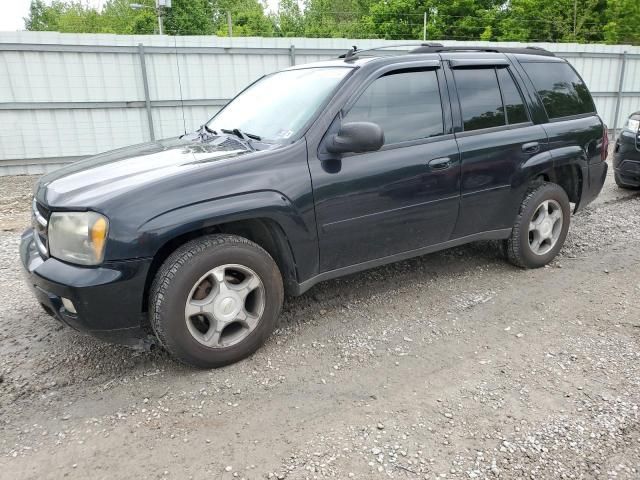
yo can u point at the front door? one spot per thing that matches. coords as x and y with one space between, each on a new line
404 196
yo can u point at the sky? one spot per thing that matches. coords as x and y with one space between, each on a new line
13 11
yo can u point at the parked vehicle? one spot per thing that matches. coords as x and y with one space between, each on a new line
626 155
311 173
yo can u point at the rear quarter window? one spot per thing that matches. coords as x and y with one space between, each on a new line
562 91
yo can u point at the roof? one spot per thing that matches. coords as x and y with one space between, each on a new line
355 57
436 49
338 62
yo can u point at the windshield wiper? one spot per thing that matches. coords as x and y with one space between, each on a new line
239 133
204 132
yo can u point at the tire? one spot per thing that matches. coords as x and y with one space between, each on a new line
218 269
521 245
623 185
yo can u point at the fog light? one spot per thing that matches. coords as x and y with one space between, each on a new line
68 305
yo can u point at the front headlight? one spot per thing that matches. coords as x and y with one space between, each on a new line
78 237
633 125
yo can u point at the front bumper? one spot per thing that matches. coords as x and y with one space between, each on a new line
627 167
626 158
629 172
107 299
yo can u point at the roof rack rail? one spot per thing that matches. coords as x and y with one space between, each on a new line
465 48
354 52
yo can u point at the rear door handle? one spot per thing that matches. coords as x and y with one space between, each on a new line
440 163
531 147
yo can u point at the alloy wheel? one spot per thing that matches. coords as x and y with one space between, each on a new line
545 227
225 305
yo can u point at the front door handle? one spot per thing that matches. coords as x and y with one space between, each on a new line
531 147
440 163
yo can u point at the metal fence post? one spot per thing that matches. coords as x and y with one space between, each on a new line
292 55
145 84
619 98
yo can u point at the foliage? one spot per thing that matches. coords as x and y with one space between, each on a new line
612 21
289 21
623 22
559 20
247 18
189 17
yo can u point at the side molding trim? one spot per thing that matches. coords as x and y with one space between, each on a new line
358 267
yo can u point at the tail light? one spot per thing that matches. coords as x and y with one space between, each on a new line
605 143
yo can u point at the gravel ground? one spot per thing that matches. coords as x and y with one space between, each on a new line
453 365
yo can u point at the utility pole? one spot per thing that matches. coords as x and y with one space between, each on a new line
159 9
424 27
229 24
160 6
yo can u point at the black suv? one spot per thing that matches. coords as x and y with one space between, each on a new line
626 155
311 173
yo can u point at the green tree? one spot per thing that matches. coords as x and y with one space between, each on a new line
119 17
247 16
43 17
623 22
336 18
613 21
455 19
289 20
75 17
189 17
552 21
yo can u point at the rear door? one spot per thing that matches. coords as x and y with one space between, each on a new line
402 197
496 137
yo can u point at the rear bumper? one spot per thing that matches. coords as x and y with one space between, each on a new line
107 299
595 175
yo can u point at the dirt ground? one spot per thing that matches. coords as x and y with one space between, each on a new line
453 365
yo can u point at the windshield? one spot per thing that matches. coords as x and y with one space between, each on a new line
278 106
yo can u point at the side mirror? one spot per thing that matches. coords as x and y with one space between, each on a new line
356 137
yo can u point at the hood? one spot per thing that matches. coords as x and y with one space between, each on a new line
85 182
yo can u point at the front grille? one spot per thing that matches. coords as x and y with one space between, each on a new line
44 211
40 221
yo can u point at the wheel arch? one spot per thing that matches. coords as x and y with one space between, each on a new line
567 171
263 231
266 218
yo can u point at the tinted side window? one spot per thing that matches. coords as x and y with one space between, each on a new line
405 104
480 98
560 89
516 111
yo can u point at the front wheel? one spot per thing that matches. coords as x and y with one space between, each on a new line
216 300
540 228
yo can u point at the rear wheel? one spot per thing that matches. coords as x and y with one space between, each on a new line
216 300
540 228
